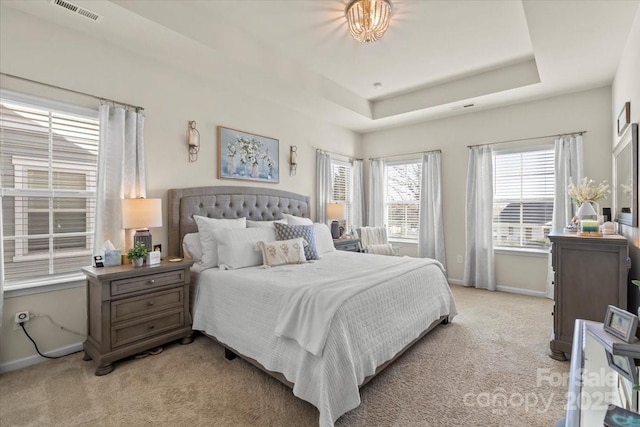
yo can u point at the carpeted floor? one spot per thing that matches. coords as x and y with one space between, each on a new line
489 367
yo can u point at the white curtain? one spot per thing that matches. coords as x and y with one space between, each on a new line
568 168
1 253
121 171
479 270
323 185
358 194
431 231
376 193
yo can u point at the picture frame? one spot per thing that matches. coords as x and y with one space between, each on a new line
624 118
620 323
624 365
247 156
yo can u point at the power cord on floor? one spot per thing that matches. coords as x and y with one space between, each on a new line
36 345
57 324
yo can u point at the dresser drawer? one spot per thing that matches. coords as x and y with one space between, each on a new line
140 329
146 304
125 286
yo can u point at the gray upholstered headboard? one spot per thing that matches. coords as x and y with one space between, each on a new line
254 203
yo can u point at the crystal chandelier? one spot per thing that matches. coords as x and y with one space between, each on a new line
368 19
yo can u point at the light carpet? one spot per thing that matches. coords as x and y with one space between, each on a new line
489 367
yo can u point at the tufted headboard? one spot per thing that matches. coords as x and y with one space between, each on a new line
254 203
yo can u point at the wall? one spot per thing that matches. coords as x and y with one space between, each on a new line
589 110
626 87
48 53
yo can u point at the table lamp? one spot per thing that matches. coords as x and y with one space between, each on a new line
335 212
142 214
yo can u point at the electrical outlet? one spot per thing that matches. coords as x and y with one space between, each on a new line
21 317
459 259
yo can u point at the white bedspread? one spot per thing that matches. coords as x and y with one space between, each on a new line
307 309
241 307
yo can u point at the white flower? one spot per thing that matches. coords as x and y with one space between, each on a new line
587 190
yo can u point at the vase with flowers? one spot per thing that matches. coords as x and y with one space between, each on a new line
586 195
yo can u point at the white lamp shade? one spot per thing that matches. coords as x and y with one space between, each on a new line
335 211
141 213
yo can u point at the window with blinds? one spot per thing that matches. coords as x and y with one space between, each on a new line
523 191
48 162
402 199
342 178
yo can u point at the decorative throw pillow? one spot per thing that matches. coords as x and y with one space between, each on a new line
324 241
237 247
206 228
282 252
297 220
288 232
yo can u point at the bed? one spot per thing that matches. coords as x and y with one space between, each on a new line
323 328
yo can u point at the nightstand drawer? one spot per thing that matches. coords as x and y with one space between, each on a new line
146 304
128 332
125 286
351 245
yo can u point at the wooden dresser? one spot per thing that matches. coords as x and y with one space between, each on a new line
590 274
131 310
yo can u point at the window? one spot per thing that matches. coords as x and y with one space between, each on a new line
523 192
342 179
402 199
48 162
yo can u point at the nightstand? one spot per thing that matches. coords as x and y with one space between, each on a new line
350 245
133 309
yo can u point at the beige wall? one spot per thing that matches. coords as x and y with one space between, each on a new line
626 87
43 52
589 110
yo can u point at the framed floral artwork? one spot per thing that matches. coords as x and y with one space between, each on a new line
246 156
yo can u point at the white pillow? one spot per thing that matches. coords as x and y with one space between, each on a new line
191 247
258 224
282 252
324 241
296 220
206 229
237 247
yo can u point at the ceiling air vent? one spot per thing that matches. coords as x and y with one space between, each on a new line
77 9
462 107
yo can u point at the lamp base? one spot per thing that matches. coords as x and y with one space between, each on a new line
143 236
335 229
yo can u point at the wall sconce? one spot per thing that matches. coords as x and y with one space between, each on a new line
293 160
140 214
193 140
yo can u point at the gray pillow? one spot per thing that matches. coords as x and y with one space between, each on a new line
288 232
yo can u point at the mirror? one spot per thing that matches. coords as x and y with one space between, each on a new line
625 178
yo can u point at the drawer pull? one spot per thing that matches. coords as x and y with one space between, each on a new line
150 303
151 327
152 281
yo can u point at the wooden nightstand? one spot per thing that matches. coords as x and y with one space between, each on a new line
131 310
350 245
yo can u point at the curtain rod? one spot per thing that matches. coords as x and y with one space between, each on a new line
339 154
73 91
405 154
528 139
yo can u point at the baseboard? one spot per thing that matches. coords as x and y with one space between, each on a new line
35 359
508 289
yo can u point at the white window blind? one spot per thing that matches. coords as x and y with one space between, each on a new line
402 199
48 162
524 184
342 176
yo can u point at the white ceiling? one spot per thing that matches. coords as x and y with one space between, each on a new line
436 56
